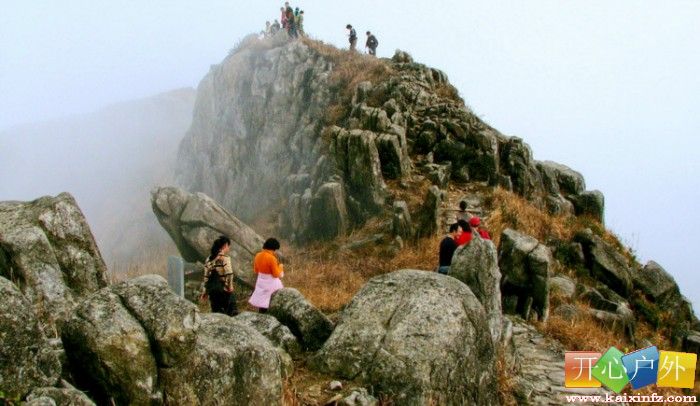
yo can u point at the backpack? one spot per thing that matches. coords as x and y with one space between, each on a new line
373 43
215 284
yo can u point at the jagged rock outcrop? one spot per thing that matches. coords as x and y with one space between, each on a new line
606 263
48 251
194 221
417 337
306 322
273 330
139 343
262 141
63 396
26 359
476 264
525 264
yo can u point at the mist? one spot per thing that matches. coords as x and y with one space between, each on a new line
609 89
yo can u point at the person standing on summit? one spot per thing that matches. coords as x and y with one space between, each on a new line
352 37
269 270
371 44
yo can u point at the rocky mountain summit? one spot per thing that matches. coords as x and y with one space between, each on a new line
366 158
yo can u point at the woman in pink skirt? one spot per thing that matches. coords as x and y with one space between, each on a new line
269 271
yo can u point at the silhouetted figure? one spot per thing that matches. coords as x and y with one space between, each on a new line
352 37
372 44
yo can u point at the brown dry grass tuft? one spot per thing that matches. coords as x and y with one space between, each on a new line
330 278
505 380
585 334
349 70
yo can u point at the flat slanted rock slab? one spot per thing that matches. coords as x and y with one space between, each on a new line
416 337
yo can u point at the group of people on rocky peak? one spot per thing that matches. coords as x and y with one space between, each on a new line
292 22
218 281
371 44
460 233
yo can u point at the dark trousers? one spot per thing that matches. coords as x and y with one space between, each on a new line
223 302
373 51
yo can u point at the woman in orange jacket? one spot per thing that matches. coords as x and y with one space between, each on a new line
269 271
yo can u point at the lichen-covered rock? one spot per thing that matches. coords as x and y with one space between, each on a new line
401 224
590 203
26 360
562 286
359 397
417 337
47 249
563 179
605 262
306 322
61 396
476 264
655 282
357 157
109 352
330 212
429 221
231 363
525 264
273 330
194 221
170 321
394 162
517 162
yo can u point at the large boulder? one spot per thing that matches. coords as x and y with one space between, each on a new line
170 321
330 217
231 363
605 262
590 203
418 338
656 283
526 265
109 352
429 219
194 221
26 360
560 178
476 264
306 322
517 162
47 249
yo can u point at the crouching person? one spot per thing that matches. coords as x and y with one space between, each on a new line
218 279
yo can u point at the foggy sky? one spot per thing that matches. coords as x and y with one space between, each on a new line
610 89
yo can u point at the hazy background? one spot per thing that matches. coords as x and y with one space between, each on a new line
611 89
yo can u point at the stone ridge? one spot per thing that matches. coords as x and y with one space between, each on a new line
259 143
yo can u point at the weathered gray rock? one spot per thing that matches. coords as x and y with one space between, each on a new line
566 180
562 286
194 221
394 162
26 360
401 224
598 301
330 217
525 264
47 249
41 401
656 283
359 397
568 312
605 262
170 321
591 203
61 396
231 363
357 158
306 322
691 342
476 264
429 221
273 330
402 57
110 352
517 162
416 337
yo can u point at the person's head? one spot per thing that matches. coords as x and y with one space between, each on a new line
267 23
455 230
349 27
296 9
220 246
463 205
475 222
464 226
368 33
281 8
276 22
271 244
301 12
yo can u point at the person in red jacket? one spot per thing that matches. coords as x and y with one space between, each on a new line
466 235
475 223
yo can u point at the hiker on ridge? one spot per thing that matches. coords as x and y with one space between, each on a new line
274 29
283 18
466 235
352 37
475 223
300 23
269 271
218 279
462 213
371 43
448 245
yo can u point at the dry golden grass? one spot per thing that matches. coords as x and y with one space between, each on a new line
585 334
329 279
506 377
